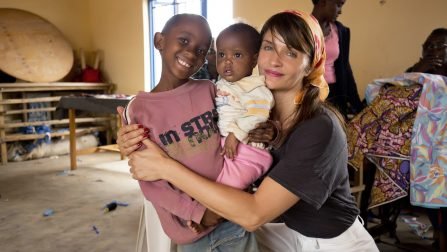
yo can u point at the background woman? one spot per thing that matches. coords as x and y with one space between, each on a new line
338 72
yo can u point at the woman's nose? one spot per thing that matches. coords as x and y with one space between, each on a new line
275 59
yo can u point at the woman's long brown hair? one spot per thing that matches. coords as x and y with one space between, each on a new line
297 35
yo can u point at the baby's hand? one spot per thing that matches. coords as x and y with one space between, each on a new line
222 93
266 132
230 146
196 228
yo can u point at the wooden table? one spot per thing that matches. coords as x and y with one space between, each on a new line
90 104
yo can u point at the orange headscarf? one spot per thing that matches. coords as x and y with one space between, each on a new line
316 76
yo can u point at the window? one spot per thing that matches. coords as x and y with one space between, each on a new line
219 14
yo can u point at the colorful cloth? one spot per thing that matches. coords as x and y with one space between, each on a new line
429 146
382 133
406 79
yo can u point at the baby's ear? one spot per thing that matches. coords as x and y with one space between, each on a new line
254 60
158 41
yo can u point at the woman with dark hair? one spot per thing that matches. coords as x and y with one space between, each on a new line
338 73
307 187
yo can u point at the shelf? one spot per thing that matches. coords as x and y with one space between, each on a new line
54 86
24 137
30 100
21 111
14 111
54 122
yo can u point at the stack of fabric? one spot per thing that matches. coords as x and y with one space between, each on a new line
397 132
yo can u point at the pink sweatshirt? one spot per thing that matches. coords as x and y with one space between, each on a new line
183 122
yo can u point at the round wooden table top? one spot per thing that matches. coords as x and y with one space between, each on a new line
31 48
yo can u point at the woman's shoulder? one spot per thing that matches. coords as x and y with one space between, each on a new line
322 128
317 129
323 120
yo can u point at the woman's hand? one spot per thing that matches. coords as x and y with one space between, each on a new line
149 164
265 132
129 137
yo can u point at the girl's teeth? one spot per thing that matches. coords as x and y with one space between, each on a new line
183 63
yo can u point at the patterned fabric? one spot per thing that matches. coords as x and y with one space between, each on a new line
382 133
429 146
406 79
391 180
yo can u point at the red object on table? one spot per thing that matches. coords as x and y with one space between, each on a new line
91 75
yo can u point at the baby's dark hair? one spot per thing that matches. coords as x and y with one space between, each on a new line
249 32
439 32
315 2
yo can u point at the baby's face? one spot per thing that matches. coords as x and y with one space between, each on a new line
235 60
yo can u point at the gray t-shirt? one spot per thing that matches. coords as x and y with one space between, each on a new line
312 164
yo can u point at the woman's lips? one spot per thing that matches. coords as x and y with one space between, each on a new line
273 73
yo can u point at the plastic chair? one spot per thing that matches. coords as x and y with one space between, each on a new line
150 226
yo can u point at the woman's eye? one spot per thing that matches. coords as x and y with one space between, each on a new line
267 48
291 54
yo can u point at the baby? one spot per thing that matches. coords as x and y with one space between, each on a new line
242 100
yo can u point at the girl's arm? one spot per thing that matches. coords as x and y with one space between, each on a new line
245 209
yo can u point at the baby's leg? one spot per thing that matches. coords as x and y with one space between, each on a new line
249 164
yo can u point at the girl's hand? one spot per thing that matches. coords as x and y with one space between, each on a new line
210 218
196 228
151 163
129 137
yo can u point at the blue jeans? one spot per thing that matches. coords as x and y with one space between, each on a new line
227 237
